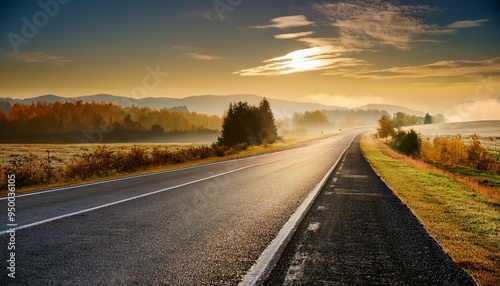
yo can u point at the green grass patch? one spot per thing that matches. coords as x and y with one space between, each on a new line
494 153
484 178
465 224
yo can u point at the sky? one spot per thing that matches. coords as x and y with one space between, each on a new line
434 56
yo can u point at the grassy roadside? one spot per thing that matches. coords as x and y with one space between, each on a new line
251 151
465 223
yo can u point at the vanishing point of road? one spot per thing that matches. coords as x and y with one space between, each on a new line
203 225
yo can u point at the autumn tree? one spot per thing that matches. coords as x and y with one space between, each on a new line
310 119
402 119
386 128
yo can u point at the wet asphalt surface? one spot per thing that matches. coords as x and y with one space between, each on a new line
208 226
359 233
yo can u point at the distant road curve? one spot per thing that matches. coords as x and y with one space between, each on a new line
201 225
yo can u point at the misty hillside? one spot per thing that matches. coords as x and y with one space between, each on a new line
206 104
391 109
212 104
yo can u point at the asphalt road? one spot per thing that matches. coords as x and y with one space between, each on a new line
359 233
202 225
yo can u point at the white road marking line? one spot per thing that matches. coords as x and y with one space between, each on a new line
328 193
126 200
143 195
314 226
335 180
321 208
137 176
296 270
262 267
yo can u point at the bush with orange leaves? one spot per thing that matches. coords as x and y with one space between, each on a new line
454 152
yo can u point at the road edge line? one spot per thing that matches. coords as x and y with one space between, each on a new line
267 260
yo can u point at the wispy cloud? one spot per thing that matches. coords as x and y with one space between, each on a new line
293 35
191 52
455 68
365 25
38 57
468 24
368 24
181 47
202 57
286 22
311 59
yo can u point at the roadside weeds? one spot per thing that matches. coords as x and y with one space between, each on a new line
249 152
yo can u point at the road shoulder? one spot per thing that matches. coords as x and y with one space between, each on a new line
359 232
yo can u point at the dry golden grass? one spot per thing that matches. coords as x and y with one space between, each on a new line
62 154
464 223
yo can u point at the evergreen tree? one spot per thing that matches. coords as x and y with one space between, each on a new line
248 124
428 119
269 132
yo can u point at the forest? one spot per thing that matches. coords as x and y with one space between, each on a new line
57 118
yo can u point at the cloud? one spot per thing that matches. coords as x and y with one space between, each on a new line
293 35
181 47
367 24
38 57
454 68
343 100
286 22
311 59
467 24
202 57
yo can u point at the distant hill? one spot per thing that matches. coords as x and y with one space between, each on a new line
212 104
206 104
392 109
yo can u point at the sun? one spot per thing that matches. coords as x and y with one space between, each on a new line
304 60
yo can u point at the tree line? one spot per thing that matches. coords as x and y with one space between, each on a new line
67 117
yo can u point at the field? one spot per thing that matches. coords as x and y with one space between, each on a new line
43 166
61 154
489 131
